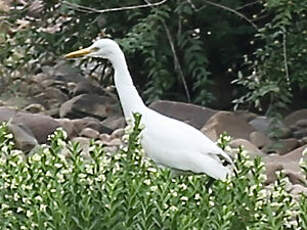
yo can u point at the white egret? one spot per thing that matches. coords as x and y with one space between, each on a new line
169 142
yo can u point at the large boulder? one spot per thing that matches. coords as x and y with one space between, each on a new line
91 105
293 117
229 122
289 163
194 115
87 87
40 125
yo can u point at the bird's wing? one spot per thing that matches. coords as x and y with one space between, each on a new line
175 143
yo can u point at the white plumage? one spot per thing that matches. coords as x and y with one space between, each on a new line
169 142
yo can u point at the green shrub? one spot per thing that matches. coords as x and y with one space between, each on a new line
278 66
127 191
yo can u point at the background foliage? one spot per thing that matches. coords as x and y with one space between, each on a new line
183 50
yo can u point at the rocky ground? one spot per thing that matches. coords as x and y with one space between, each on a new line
61 97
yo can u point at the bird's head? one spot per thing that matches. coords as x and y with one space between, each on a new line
103 48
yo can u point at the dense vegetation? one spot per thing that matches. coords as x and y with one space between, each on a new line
57 188
184 50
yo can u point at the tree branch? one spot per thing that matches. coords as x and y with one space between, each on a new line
247 5
284 46
176 60
230 10
93 10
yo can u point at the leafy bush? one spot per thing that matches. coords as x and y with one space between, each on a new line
278 66
127 191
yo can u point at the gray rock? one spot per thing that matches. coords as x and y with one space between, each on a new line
298 189
114 122
34 108
194 115
84 143
300 133
271 168
252 150
40 125
87 87
105 138
88 105
228 122
301 123
259 139
57 94
90 122
261 124
23 136
293 117
287 145
90 133
69 126
118 133
115 142
289 163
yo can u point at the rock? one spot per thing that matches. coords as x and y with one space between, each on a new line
298 189
23 137
301 123
69 126
115 142
293 117
88 105
289 163
105 138
6 113
283 132
84 145
261 124
38 78
246 115
63 71
57 94
296 154
295 176
40 125
194 115
287 145
114 122
89 122
53 112
118 133
35 9
86 87
252 150
304 141
90 133
259 139
300 133
47 83
34 108
228 122
270 169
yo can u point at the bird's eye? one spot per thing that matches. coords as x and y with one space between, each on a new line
95 49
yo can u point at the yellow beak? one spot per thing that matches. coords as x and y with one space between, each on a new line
78 53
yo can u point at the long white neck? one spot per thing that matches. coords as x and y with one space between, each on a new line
130 100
